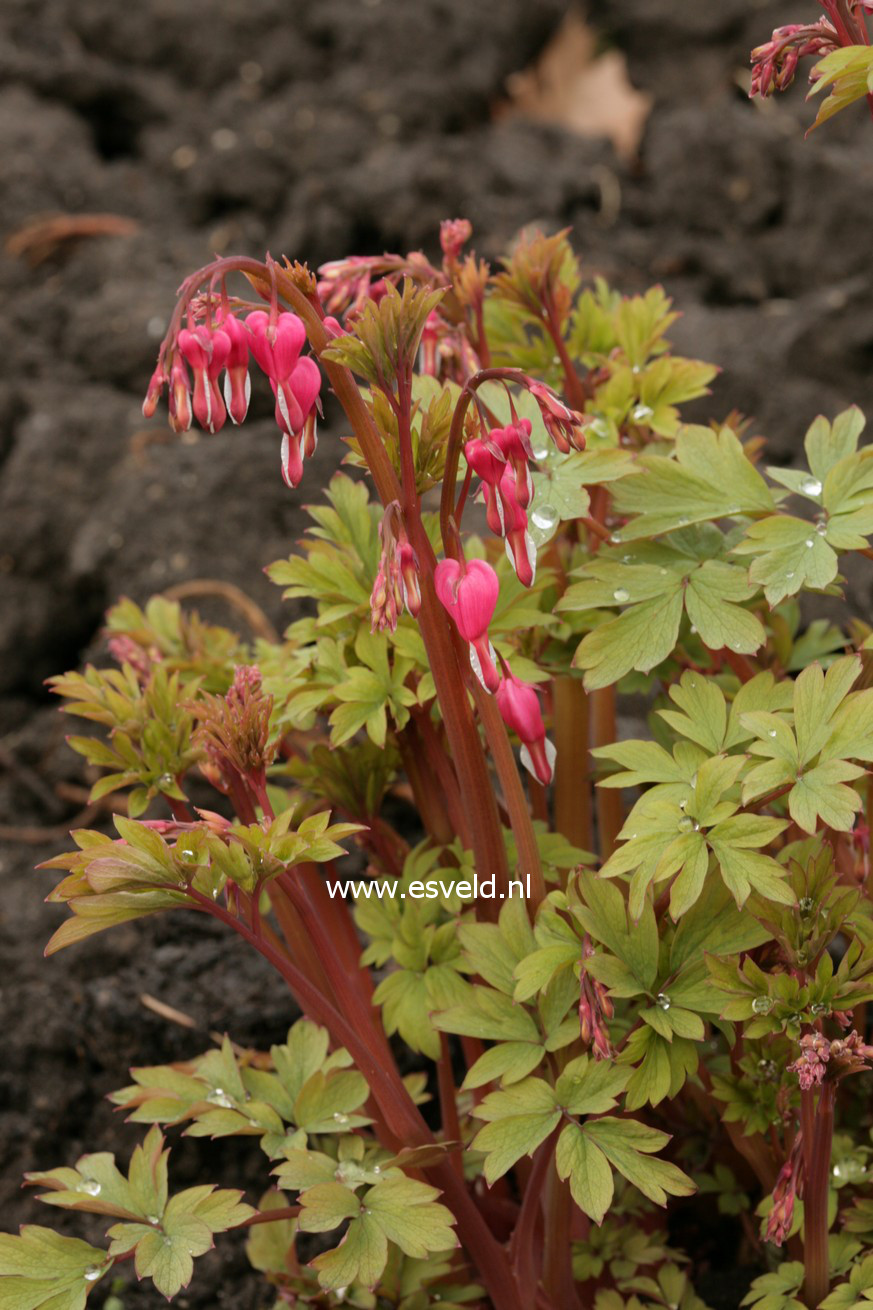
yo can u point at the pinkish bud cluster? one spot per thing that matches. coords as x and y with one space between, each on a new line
397 583
811 1064
454 235
565 426
234 732
445 350
774 64
595 1008
788 1187
819 1057
223 344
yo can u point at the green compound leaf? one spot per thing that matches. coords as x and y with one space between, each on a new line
581 1160
832 726
40 1270
519 1119
398 1210
710 478
629 1147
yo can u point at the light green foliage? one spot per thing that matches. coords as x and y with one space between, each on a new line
384 338
40 1270
111 882
847 76
779 1290
150 741
302 1090
165 1232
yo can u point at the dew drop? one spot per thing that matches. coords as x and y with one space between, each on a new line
685 824
166 780
91 1273
621 595
662 1001
377 1169
762 1005
682 521
641 413
789 576
614 538
153 1218
89 1186
809 543
821 528
220 1097
771 732
818 1009
811 487
544 517
838 1171
541 452
636 368
341 1118
806 905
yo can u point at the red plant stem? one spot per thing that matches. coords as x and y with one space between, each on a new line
523 1247
818 1131
397 1106
451 1124
573 387
179 810
529 864
334 912
439 761
270 1216
427 788
453 445
603 733
742 667
572 786
558 1280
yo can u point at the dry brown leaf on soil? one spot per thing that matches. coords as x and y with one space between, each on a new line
586 92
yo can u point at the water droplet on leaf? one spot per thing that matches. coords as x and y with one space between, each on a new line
662 1001
762 1005
821 528
341 1118
806 905
621 595
89 1186
811 487
641 413
809 543
818 1009
685 824
771 732
544 517
91 1273
218 1096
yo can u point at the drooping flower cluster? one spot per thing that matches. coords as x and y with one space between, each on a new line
397 583
595 1009
501 459
774 63
223 342
789 1185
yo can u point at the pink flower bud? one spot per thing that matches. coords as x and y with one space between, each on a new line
469 592
156 386
519 706
454 235
564 425
520 549
409 575
206 350
514 442
181 414
292 459
488 461
237 383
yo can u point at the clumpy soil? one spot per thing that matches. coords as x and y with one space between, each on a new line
317 130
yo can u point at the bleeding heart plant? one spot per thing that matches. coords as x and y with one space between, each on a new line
537 1010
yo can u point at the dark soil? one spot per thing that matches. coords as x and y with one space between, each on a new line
320 129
